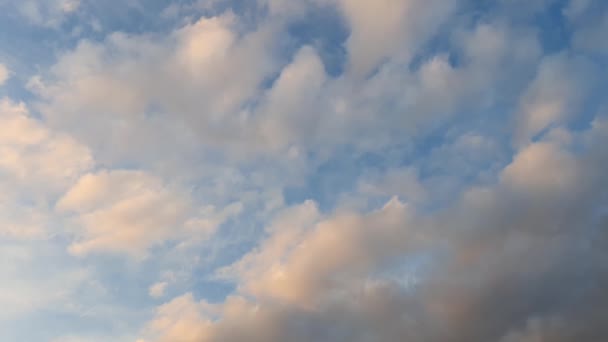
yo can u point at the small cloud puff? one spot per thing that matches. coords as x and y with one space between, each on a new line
4 74
157 290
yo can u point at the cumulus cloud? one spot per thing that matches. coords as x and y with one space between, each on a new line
157 290
298 266
390 28
505 265
319 170
198 77
195 83
31 153
36 164
131 211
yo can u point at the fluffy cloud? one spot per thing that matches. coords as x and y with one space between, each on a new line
35 156
157 290
36 164
131 211
319 170
198 78
195 84
494 260
404 25
298 263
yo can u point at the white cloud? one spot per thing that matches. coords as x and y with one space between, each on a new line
35 156
320 277
541 168
181 319
306 261
132 211
389 29
157 290
287 110
36 164
241 106
198 77
195 84
303 266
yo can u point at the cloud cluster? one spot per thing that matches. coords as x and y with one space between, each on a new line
36 164
31 153
218 83
317 170
130 211
115 210
519 260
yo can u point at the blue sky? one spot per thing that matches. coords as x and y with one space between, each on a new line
310 170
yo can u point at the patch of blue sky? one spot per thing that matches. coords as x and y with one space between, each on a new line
323 28
334 176
553 27
233 239
132 17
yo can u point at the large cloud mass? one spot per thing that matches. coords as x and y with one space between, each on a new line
521 260
316 170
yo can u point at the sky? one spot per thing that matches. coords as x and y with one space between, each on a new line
303 170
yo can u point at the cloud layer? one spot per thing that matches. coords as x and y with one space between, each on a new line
320 170
504 264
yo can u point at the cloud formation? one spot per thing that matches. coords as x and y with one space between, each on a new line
318 170
502 264
130 211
